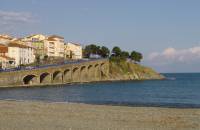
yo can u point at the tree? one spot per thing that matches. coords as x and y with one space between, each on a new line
104 52
96 50
136 56
91 49
133 55
125 54
87 51
116 51
140 57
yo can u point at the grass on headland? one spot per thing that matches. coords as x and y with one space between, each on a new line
122 68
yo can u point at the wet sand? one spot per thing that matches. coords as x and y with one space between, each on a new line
24 115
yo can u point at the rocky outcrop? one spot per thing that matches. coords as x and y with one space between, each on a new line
126 70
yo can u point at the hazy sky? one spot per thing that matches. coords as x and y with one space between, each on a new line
167 32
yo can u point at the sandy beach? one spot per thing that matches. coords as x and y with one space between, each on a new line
24 115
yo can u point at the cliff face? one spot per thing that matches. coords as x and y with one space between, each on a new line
124 70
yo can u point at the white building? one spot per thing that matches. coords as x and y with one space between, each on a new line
55 46
21 53
73 51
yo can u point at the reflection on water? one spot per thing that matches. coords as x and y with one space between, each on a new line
183 91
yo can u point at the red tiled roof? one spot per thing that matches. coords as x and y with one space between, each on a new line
51 39
15 44
3 48
4 37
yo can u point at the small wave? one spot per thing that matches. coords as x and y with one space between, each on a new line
171 78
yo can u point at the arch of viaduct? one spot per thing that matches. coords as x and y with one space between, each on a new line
86 71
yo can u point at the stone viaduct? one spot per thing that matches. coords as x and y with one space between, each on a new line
83 71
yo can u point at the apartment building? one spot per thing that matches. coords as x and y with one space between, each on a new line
21 53
55 46
37 41
73 51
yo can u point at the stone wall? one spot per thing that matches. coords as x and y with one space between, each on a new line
85 71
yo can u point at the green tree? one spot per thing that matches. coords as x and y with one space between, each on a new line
133 55
125 54
91 49
136 56
104 52
116 51
87 51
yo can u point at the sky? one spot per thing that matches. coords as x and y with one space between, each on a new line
166 32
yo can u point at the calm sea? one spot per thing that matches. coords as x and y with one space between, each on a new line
178 90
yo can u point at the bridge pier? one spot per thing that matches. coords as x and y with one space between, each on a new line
67 76
76 75
45 78
97 72
83 74
90 71
57 77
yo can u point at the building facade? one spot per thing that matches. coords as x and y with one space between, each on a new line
18 51
73 51
37 41
21 53
55 46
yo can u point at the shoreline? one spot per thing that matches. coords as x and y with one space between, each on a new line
105 104
72 83
22 115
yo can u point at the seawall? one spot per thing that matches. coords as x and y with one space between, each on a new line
77 72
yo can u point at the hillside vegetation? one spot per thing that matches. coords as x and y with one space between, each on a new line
120 67
127 70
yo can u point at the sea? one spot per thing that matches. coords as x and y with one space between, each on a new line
178 90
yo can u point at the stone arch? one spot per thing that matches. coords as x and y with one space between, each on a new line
102 64
45 78
67 75
96 65
83 73
96 72
89 67
30 79
103 70
90 72
57 77
76 74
